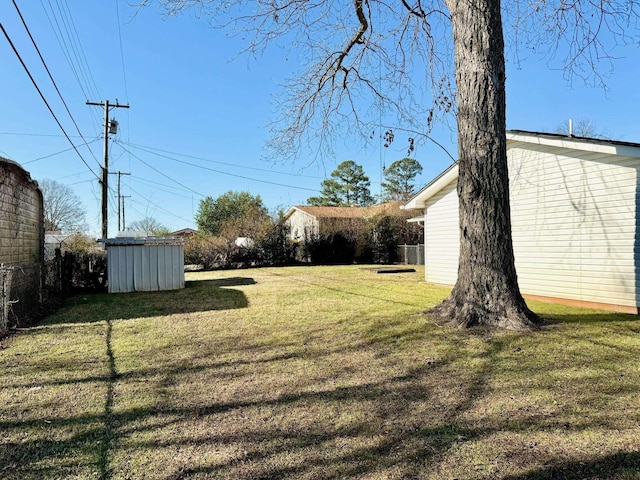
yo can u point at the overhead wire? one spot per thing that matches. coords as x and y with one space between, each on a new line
76 44
124 73
56 153
76 66
230 174
143 180
35 45
26 69
161 173
158 207
154 150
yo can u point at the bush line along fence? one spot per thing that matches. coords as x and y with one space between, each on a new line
63 275
22 301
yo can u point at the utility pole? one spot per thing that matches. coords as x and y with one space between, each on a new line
124 226
119 173
109 127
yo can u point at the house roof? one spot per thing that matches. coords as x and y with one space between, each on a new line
185 232
611 147
390 208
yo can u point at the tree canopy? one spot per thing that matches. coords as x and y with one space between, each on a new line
347 186
149 226
399 179
237 214
399 58
63 209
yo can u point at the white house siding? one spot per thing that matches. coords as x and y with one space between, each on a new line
302 225
573 219
575 224
442 237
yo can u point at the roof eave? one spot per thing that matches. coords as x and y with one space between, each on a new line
419 200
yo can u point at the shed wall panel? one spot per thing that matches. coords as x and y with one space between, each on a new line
145 267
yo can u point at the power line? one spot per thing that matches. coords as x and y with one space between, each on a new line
159 208
26 69
19 134
159 172
76 44
76 67
124 74
57 153
230 174
143 180
52 80
153 151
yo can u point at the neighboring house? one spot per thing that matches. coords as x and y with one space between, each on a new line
184 233
52 241
574 215
307 222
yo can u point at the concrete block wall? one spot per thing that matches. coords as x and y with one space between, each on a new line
21 240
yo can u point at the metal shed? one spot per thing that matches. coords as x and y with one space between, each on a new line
144 264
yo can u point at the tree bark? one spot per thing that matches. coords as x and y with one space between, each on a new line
486 291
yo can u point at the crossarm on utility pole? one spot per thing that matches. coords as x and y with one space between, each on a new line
105 169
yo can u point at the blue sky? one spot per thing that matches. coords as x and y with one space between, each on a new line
198 119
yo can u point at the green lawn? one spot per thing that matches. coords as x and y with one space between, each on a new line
315 372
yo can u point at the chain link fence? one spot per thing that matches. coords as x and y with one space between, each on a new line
20 294
411 254
29 292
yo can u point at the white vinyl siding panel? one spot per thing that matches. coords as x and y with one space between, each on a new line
574 216
573 222
442 236
302 226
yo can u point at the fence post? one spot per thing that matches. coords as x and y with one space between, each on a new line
3 301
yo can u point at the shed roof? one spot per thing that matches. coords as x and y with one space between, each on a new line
122 241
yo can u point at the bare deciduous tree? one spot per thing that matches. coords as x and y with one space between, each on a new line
63 209
148 226
582 127
365 59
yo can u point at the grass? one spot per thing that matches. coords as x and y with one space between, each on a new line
315 373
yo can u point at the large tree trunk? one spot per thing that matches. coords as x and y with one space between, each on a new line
486 292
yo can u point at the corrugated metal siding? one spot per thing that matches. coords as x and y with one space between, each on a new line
574 223
138 268
442 237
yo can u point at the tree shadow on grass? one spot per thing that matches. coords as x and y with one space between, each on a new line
591 317
621 465
413 419
391 441
197 296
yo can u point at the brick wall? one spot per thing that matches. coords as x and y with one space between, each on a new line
21 244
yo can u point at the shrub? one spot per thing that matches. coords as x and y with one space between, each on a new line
206 250
329 249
